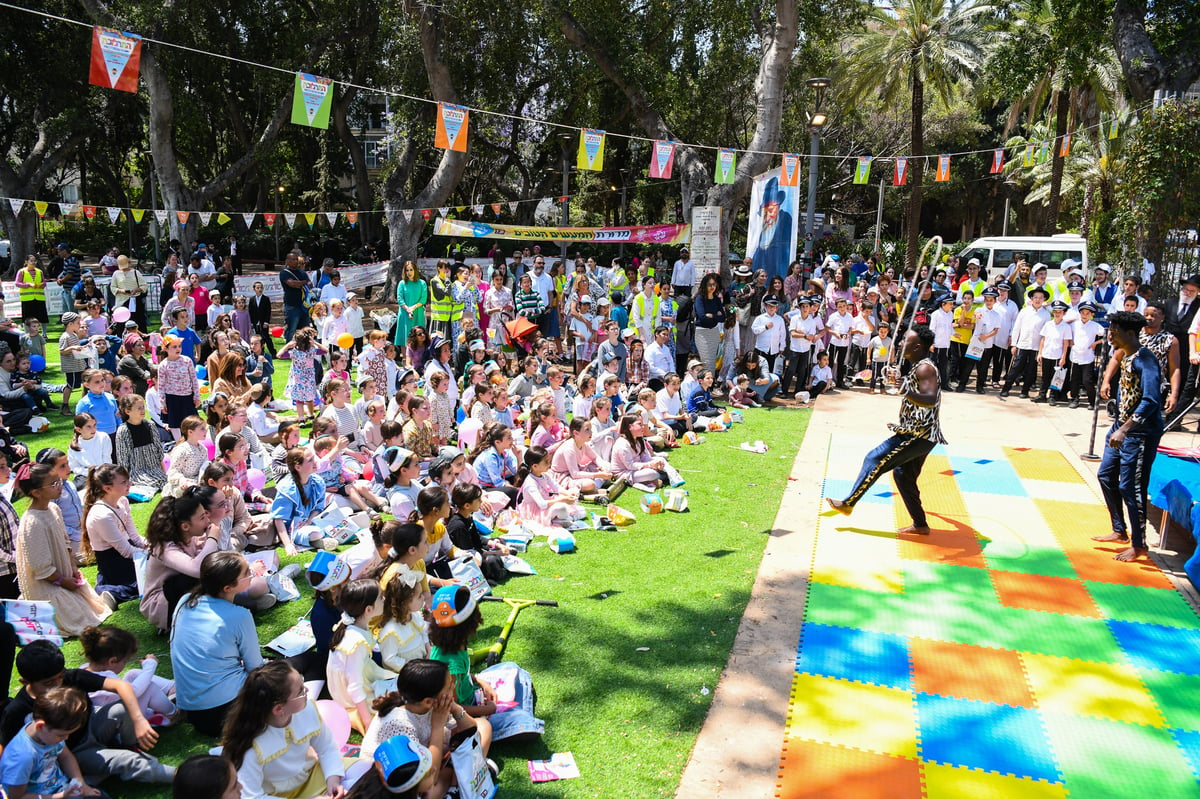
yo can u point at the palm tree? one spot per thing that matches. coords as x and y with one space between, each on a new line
914 44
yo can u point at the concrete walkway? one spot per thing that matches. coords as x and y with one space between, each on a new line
738 750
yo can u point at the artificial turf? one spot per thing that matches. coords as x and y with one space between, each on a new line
626 664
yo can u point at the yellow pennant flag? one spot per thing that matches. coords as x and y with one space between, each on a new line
222 219
591 150
311 219
138 213
41 207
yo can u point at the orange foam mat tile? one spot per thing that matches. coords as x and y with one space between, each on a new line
957 546
1042 592
970 672
811 770
1074 524
1042 464
952 782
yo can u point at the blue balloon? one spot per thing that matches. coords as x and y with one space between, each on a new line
37 363
202 372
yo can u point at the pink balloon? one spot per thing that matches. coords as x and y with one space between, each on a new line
257 479
121 314
212 449
336 719
166 463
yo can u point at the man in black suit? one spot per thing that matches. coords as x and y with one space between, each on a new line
1181 313
260 317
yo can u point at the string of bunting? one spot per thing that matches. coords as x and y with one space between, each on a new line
115 64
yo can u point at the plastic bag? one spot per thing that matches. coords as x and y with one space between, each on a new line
470 769
619 516
1060 378
32 621
675 500
467 572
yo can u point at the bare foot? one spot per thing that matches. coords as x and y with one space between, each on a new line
1111 537
839 506
1131 554
913 529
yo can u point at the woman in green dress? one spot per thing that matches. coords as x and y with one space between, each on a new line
412 293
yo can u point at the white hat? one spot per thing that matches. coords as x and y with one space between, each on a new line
585 298
974 261
604 301
1104 267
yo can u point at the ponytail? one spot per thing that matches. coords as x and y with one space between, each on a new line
80 420
354 600
533 456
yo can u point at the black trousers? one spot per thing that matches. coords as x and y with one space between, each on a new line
1024 371
1048 367
795 371
1083 376
981 368
837 357
770 360
1001 359
942 358
8 636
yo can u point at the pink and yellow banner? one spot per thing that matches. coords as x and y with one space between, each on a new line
635 234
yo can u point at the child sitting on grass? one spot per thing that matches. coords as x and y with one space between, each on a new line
108 651
37 762
353 678
337 481
404 635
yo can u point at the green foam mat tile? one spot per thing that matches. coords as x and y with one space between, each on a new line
965 582
1039 559
1113 760
1176 696
1146 605
1054 634
842 606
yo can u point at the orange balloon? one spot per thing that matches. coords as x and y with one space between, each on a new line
345 341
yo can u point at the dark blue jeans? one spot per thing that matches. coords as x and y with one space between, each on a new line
1124 477
904 457
295 317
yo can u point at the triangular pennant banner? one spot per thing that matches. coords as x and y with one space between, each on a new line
426 214
138 213
662 159
862 170
726 165
352 218
115 59
17 205
182 216
114 214
291 219
1030 155
311 219
452 125
900 175
943 169
1114 129
997 161
66 209
331 217
443 211
789 173
311 101
1043 152
269 219
41 207
161 216
496 208
249 220
477 210
222 218
89 211
1064 148
512 208
460 208
591 150
205 217
407 214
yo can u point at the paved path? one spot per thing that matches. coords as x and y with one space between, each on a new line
737 753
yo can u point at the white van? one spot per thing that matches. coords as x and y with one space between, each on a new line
995 253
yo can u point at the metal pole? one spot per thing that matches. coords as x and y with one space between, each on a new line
1091 454
1004 228
566 206
621 248
275 191
154 212
814 147
878 217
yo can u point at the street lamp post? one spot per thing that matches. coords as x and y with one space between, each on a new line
278 191
154 209
816 121
622 222
566 188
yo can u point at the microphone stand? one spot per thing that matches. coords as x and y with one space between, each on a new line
1091 455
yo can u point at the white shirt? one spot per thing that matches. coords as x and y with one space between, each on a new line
821 374
684 274
809 327
332 292
1054 338
354 317
543 284
1083 335
645 315
986 320
839 325
1008 317
1118 304
770 333
941 322
207 272
659 360
279 761
1027 331
860 332
668 405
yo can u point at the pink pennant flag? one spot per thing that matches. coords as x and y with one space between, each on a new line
426 214
662 159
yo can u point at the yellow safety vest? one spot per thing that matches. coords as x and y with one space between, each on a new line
440 309
29 294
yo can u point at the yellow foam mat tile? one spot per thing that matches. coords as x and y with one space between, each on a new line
1064 492
1042 464
951 782
869 717
1014 521
858 561
1085 688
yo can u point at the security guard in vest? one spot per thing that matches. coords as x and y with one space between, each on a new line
441 302
32 285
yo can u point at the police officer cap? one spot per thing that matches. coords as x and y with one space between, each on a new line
1059 305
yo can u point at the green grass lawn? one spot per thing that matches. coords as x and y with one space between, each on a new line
626 664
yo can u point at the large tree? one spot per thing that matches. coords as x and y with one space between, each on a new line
1158 42
914 45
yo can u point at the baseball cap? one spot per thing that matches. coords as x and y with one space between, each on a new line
327 570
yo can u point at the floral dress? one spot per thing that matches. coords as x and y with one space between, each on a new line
302 378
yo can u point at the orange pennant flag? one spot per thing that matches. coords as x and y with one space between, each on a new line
182 216
789 173
943 169
453 122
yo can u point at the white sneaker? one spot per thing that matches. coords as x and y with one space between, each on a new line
329 544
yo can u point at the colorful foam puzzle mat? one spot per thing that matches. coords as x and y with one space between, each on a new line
1006 654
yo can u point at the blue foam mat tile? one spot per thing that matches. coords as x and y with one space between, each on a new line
1000 738
1153 646
1188 742
875 658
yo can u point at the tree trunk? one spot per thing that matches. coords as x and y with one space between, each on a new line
364 192
1144 67
1062 109
917 170
696 174
22 235
405 235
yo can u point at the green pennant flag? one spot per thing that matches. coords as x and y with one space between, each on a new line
726 165
1043 152
862 172
312 100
